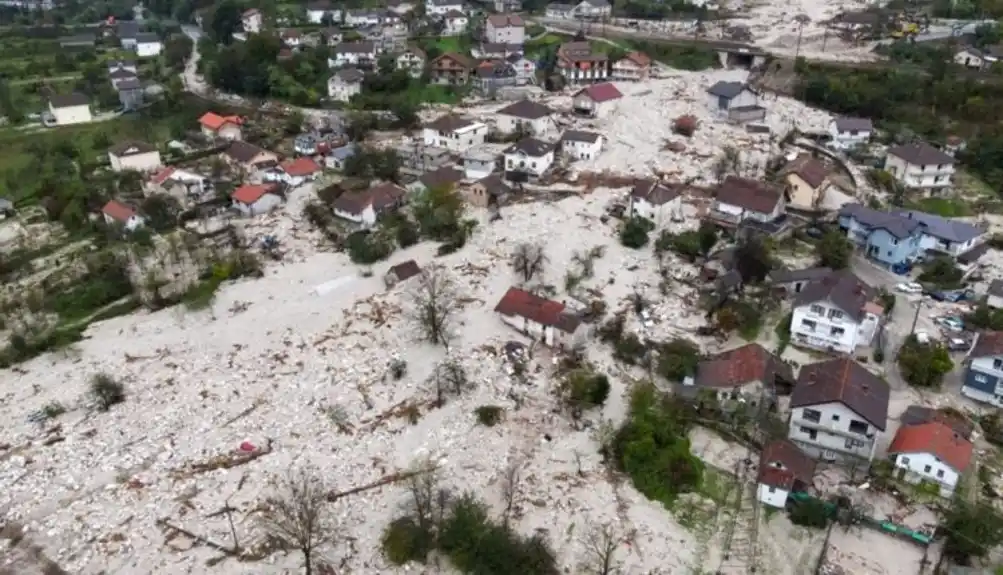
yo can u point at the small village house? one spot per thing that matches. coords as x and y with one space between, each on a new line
526 117
978 58
336 158
249 157
578 63
364 207
401 272
581 145
735 101
361 18
454 23
656 201
921 166
138 156
839 410
126 31
505 29
931 452
148 45
481 161
593 9
256 199
507 6
322 12
299 171
848 133
68 109
738 200
783 469
442 7
344 84
451 69
983 378
117 213
529 156
939 235
490 76
596 101
746 376
252 21
792 282
400 7
524 68
994 294
119 75
885 238
181 184
559 11
488 191
548 322
443 177
413 60
807 180
78 41
454 133
130 93
6 209
836 313
361 54
291 38
634 67
225 127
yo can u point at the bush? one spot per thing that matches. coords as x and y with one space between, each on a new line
810 513
924 364
783 332
630 349
489 415
404 541
365 248
53 410
677 359
106 391
634 233
587 389
879 355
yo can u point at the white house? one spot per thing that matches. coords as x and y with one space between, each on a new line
549 322
252 21
783 469
836 313
529 156
361 18
656 201
740 199
580 145
596 101
559 11
848 133
921 166
148 45
593 9
363 208
974 58
931 452
505 29
723 97
69 109
352 54
225 127
299 171
412 59
400 7
346 83
255 199
839 410
480 162
454 133
316 11
532 118
454 23
116 212
137 156
442 7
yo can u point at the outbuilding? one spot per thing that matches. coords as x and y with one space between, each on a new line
136 156
254 199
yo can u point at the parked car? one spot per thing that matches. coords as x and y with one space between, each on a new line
909 287
958 344
952 323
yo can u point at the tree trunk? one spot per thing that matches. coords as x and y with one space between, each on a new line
307 564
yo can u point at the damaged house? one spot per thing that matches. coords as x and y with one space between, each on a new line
546 321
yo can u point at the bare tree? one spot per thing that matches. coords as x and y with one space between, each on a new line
449 377
298 514
528 260
436 300
510 488
728 163
601 543
424 489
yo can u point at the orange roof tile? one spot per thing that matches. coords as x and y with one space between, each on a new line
251 193
215 121
936 439
300 167
118 211
161 176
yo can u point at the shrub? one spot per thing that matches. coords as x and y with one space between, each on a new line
106 391
810 513
677 359
489 415
634 233
924 365
587 389
630 349
53 410
404 541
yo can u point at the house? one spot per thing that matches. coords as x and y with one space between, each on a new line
299 171
67 109
807 180
505 29
252 21
138 156
525 69
119 75
454 23
634 67
581 145
332 37
593 9
655 201
994 294
451 68
305 144
78 41
125 65
492 75
793 281
579 64
919 415
480 161
130 93
255 199
507 6
454 133
931 453
596 101
941 235
444 177
417 158
116 212
526 117
839 410
442 7
983 379
560 11
346 83
400 7
735 101
364 207
739 200
148 45
292 38
884 237
6 208
744 376
361 18
225 127
401 272
353 54
336 159
412 59
322 12
248 157
837 313
975 58
546 321
848 133
529 156
921 166
488 191
783 469
184 185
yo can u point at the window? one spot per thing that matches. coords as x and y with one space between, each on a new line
807 323
940 473
853 443
858 427
837 331
895 242
772 489
981 378
817 309
998 364
905 461
811 415
889 253
835 417
926 469
835 314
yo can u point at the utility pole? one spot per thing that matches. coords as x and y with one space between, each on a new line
801 19
915 318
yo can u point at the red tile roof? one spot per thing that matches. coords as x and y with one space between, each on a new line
782 463
521 303
118 211
380 197
934 438
740 366
162 176
601 92
215 121
251 193
300 167
639 58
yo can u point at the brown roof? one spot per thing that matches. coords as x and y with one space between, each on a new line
810 168
449 123
461 59
502 20
841 288
936 439
494 185
782 463
250 193
921 154
571 52
750 194
242 151
405 270
521 303
845 381
599 93
118 211
740 366
131 148
639 58
656 192
988 343
379 197
444 176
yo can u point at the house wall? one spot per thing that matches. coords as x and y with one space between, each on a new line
722 105
658 214
227 131
366 218
140 162
802 193
71 115
886 248
411 62
439 10
342 92
847 140
994 301
537 127
477 169
629 71
252 24
953 249
968 59
739 213
772 496
983 381
916 467
505 34
575 75
477 195
538 332
148 49
832 437
930 177
130 99
582 150
522 163
822 330
265 204
558 14
458 141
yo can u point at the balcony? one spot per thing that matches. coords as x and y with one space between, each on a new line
832 428
724 217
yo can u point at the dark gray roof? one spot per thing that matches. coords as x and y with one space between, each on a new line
449 123
943 228
129 84
973 255
445 176
147 38
580 136
921 154
127 29
920 414
531 147
845 381
806 274
494 185
351 75
894 224
355 48
754 195
843 289
987 343
79 39
131 148
656 192
847 124
726 89
995 288
526 109
68 100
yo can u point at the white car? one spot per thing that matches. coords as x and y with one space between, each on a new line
909 287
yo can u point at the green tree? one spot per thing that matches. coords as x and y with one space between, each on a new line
924 364
972 530
225 20
753 260
439 213
634 233
941 272
677 359
834 250
707 237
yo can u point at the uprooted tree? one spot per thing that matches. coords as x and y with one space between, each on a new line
435 301
528 260
298 514
601 543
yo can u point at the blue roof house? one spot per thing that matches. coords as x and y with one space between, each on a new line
886 238
943 235
338 156
983 379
